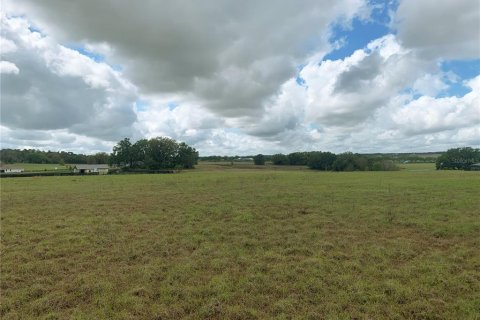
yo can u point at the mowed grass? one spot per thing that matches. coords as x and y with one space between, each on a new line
38 166
417 166
251 244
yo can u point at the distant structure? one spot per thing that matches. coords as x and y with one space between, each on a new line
4 169
90 168
475 167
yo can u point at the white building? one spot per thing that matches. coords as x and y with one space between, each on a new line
90 168
10 170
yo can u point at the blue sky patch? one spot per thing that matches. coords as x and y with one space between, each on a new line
456 89
97 57
141 105
35 29
172 105
92 55
361 32
300 81
465 69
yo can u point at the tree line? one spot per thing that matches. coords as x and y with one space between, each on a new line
329 161
55 157
161 153
155 153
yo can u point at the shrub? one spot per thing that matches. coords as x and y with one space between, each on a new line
321 160
280 159
259 160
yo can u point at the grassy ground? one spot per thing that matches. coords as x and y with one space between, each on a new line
417 166
242 244
242 166
37 166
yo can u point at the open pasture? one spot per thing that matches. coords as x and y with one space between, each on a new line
242 244
38 166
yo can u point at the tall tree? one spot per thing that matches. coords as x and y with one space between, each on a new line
187 156
123 153
163 152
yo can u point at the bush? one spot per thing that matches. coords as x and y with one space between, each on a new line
383 165
298 158
344 162
280 159
321 160
350 162
259 160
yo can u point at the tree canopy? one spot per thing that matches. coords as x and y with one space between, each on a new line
280 159
155 153
321 160
458 158
259 160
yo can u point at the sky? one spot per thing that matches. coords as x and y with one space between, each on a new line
241 77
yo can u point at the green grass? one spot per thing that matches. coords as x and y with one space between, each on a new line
242 244
228 166
417 166
37 166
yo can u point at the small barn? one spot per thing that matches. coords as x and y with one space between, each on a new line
90 168
4 169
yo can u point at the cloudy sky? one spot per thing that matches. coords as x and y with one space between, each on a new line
241 77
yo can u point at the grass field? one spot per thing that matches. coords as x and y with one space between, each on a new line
417 166
37 166
216 243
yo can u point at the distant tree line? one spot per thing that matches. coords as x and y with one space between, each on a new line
458 159
429 157
328 161
160 153
155 153
55 157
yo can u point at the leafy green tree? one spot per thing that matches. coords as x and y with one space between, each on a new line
35 156
259 160
298 158
349 162
98 158
11 156
381 165
141 153
123 153
280 159
458 158
163 153
187 156
155 153
321 160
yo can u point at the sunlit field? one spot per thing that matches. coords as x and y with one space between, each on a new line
226 242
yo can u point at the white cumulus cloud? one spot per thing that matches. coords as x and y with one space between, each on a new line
8 67
47 86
